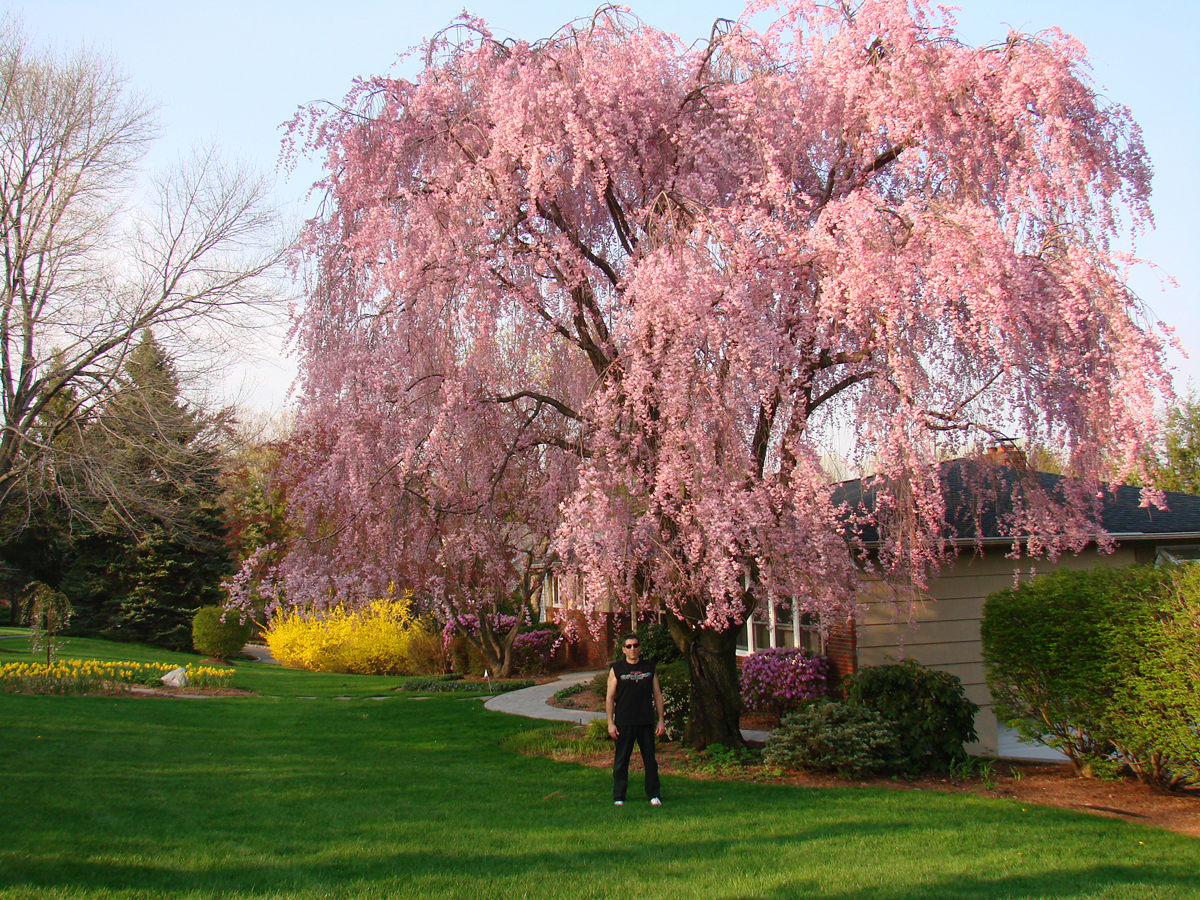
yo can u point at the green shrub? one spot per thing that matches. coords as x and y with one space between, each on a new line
655 644
932 716
720 761
676 686
216 638
599 684
1153 719
597 731
827 736
1058 649
465 659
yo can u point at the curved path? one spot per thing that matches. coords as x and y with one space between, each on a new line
260 653
532 702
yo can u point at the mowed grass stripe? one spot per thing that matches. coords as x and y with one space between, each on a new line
296 798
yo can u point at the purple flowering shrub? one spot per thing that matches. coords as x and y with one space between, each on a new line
533 651
779 679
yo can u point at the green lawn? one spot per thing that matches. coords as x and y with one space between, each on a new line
282 796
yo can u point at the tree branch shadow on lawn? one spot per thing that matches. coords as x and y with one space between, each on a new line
422 871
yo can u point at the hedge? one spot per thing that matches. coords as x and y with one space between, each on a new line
1102 665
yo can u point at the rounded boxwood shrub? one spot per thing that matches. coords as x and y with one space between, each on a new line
216 638
931 714
828 736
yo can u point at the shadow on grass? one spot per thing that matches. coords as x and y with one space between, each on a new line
569 872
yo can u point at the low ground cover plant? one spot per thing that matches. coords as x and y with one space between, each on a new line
559 740
719 761
89 676
827 736
449 686
570 691
1102 664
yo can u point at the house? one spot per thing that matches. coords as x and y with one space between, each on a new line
940 627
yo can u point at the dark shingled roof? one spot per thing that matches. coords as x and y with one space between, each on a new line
1120 514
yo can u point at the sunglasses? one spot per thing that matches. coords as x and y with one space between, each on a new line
631 646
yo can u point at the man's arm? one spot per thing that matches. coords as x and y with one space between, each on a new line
661 730
610 700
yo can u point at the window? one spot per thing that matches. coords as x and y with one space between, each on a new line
777 629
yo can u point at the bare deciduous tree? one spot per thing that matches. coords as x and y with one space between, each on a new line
86 271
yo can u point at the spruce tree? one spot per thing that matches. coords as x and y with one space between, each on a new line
161 556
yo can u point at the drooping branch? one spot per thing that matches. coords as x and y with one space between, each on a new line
542 399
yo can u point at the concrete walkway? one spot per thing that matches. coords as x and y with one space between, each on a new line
260 653
532 702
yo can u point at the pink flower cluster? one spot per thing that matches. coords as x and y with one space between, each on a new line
534 651
779 678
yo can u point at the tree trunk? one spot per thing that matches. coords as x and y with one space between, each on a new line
496 649
716 700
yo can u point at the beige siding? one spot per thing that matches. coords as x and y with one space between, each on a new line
941 627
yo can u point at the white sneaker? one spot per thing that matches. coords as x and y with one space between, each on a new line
618 803
654 801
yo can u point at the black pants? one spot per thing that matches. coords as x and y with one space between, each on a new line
627 735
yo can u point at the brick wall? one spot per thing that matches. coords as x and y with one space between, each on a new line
841 648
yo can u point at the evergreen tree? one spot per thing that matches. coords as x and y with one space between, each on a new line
146 583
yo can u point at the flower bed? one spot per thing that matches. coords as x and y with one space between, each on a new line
88 676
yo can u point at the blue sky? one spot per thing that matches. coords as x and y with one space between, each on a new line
233 71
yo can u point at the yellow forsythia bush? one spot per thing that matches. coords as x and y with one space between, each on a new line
369 641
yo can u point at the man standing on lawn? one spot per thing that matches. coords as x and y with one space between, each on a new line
633 700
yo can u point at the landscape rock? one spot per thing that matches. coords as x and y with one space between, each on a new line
176 678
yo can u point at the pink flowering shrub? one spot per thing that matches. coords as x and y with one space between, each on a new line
533 651
779 679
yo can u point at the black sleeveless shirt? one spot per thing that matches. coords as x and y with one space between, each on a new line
634 703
